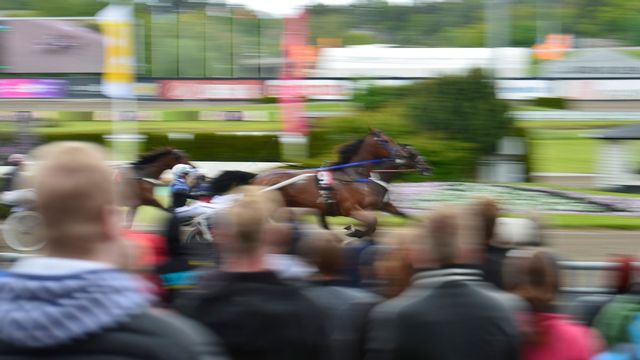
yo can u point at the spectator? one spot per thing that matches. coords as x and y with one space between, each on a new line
393 267
9 179
344 309
446 313
257 315
501 234
75 302
535 277
585 308
615 317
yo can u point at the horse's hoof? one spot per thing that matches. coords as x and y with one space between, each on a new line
356 233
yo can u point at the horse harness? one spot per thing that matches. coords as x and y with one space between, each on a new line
325 181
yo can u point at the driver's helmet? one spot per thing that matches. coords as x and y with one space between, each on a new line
181 170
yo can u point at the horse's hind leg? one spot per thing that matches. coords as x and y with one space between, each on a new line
368 218
323 221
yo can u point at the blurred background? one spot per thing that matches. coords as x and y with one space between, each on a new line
533 102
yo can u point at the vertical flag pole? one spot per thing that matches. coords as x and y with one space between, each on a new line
116 22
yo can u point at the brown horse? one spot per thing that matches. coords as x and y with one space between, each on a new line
358 182
137 180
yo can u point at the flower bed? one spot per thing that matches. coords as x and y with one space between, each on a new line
414 197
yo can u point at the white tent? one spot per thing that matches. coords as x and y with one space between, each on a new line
389 61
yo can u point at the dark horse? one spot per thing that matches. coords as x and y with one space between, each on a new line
359 181
136 181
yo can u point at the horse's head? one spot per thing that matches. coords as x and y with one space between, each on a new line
416 161
173 157
385 147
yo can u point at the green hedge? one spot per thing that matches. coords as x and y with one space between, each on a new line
551 102
205 147
75 115
180 115
221 147
88 137
375 97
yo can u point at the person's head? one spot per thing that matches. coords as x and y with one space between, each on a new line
323 250
534 276
180 171
448 236
486 209
241 229
76 198
393 268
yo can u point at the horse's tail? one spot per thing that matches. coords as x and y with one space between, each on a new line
229 180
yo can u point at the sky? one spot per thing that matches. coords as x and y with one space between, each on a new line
291 7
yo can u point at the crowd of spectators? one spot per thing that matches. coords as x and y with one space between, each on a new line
463 283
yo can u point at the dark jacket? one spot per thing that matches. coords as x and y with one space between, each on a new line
345 312
257 316
445 314
94 313
493 263
151 335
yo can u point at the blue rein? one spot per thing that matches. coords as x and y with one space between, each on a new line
342 166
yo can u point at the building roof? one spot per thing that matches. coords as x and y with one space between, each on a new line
625 132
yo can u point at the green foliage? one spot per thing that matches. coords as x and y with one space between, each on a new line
204 146
375 97
180 115
463 108
268 100
551 102
88 137
75 115
220 147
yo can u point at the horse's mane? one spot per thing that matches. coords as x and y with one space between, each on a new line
153 156
230 179
348 151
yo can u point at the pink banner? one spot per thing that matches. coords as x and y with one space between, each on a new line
32 88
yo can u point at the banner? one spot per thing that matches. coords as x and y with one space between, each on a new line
211 89
116 23
32 88
313 89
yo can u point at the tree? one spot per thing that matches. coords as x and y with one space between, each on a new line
463 108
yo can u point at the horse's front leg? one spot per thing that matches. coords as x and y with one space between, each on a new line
368 218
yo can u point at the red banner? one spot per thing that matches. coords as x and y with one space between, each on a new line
211 89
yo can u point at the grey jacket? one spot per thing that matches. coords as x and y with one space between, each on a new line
445 314
345 312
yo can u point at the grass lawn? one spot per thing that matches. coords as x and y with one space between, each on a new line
569 150
104 127
559 124
564 156
594 221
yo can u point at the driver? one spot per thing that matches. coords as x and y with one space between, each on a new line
180 189
16 161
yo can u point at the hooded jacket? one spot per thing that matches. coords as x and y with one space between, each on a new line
75 309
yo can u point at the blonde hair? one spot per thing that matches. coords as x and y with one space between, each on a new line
74 186
249 216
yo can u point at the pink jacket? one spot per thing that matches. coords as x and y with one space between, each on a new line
561 339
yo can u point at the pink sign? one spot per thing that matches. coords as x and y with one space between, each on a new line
32 88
